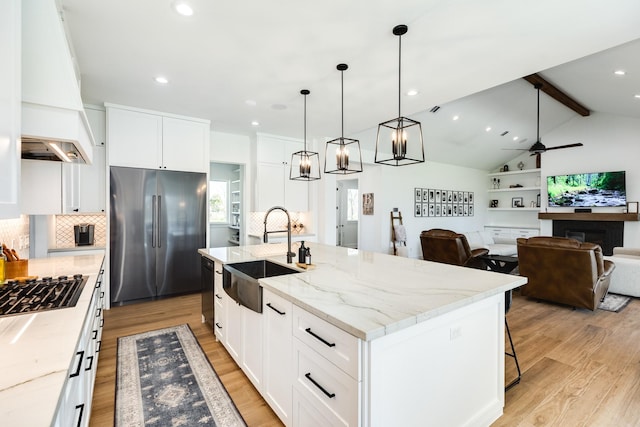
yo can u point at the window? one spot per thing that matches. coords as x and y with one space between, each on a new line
352 204
219 202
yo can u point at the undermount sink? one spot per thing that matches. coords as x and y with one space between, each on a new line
240 281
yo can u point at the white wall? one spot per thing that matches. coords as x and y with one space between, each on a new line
610 144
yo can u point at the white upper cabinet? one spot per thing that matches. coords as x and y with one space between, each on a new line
273 172
10 95
150 140
41 187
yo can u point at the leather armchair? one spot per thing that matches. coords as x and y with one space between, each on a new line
449 247
564 271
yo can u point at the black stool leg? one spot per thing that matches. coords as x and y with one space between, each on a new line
512 354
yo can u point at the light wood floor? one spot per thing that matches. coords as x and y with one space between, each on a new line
580 368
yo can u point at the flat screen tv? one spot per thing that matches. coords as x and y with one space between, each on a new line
589 190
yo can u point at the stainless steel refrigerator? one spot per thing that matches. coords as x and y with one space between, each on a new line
157 225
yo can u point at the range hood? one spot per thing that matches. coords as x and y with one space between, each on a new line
52 112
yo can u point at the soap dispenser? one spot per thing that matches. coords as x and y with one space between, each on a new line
302 253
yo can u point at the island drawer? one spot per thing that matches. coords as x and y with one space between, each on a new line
321 385
336 345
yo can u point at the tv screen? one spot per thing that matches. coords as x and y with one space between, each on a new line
601 189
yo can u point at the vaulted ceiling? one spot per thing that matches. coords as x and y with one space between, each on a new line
243 61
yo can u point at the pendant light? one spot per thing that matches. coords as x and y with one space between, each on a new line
346 162
305 165
399 141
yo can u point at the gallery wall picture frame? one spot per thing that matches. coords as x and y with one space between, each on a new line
632 207
367 204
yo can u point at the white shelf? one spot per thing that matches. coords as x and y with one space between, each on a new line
235 242
518 172
235 227
505 190
515 209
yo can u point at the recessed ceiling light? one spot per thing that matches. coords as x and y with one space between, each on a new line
412 92
161 80
619 72
637 95
515 138
183 8
251 102
488 129
255 123
456 117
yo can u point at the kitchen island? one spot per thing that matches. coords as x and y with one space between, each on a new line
40 350
412 342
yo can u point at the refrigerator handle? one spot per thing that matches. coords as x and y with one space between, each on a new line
159 220
153 222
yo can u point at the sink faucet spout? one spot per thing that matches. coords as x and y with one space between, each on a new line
265 236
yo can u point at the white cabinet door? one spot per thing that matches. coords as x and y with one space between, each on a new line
135 138
233 340
184 144
252 346
71 187
10 96
97 121
220 302
277 348
92 182
296 194
270 186
41 187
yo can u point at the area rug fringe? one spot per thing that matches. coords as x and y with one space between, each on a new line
164 378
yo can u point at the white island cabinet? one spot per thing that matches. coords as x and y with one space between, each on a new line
369 339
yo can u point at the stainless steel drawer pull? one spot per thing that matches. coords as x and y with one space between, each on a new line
80 414
327 343
281 313
218 296
329 395
218 325
90 359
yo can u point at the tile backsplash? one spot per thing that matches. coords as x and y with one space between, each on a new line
15 234
278 221
64 237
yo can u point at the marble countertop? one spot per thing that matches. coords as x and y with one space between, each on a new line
369 294
38 349
77 249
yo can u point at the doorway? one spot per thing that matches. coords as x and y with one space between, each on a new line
347 213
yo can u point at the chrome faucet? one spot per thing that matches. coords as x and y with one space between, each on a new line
265 237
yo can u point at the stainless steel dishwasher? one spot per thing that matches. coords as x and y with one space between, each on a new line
207 290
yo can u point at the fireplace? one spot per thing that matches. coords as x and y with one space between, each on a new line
607 234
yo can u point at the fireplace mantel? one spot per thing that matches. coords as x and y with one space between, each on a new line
586 216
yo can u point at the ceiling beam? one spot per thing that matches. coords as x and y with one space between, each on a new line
557 94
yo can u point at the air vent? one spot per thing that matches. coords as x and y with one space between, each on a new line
504 133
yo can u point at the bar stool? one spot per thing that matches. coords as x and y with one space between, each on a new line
507 305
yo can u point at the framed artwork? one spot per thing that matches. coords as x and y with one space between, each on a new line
432 196
438 210
367 204
470 197
425 209
470 210
418 209
431 202
517 202
418 197
438 200
425 195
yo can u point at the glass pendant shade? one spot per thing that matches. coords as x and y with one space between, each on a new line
399 141
348 157
305 165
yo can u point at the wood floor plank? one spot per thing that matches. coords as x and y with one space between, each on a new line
580 368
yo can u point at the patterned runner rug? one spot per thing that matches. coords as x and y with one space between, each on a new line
164 379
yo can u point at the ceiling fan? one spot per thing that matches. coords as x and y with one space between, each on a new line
539 147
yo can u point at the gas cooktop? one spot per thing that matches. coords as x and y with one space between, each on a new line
34 295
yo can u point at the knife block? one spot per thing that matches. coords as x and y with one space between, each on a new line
16 268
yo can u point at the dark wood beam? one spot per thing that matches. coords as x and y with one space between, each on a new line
557 94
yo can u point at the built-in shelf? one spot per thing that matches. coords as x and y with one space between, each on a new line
235 242
504 190
590 216
518 172
515 209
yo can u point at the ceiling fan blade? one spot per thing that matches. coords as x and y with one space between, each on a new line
578 144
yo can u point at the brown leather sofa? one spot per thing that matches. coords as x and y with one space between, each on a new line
564 271
449 247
